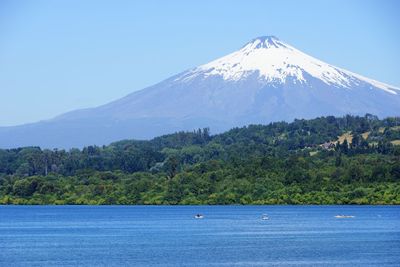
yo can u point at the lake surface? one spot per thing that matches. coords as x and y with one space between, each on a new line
227 236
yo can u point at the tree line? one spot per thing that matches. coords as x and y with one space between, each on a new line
278 163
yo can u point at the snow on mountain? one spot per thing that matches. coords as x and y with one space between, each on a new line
266 80
275 61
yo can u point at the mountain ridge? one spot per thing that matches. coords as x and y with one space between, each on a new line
264 81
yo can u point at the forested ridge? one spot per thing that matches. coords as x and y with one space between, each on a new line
327 160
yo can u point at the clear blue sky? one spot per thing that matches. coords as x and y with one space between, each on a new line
56 56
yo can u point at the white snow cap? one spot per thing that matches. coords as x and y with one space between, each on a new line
276 61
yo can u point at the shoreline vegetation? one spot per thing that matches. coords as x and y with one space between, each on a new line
322 161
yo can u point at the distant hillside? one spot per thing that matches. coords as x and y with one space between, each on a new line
326 160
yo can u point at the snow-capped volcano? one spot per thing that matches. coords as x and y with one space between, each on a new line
277 62
266 80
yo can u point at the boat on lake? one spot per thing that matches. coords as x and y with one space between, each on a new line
264 217
199 216
344 216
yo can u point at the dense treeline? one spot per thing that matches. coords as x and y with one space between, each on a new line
279 163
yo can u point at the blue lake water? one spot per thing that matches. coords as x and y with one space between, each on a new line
227 236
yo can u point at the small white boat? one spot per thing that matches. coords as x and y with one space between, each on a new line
199 216
264 217
344 216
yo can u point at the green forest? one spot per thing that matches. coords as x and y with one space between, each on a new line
327 160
